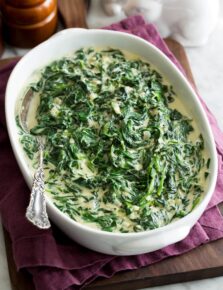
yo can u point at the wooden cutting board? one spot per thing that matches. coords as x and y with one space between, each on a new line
203 262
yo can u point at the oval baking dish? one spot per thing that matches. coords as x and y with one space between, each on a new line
71 40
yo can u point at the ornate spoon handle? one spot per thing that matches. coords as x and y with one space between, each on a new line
36 210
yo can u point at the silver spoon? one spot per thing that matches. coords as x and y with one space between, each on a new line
36 210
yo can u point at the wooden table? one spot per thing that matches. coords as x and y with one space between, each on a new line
203 262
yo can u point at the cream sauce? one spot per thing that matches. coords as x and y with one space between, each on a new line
84 170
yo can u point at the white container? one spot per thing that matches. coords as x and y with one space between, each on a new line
70 40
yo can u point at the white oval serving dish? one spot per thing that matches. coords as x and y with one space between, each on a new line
70 40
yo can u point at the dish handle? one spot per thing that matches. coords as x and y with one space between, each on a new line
65 31
151 243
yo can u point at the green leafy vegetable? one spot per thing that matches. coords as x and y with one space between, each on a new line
117 152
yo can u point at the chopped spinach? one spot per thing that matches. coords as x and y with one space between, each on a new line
116 153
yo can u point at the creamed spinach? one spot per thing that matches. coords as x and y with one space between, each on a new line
117 153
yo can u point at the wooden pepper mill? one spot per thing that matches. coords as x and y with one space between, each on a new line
27 23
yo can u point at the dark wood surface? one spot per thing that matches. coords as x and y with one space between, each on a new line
203 262
73 12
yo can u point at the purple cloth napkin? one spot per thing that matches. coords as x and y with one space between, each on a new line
54 261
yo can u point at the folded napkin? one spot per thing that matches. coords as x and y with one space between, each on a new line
54 261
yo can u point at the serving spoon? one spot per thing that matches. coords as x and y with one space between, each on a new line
36 211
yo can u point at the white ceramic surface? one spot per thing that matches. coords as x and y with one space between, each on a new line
111 243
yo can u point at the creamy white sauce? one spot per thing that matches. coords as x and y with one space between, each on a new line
84 170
